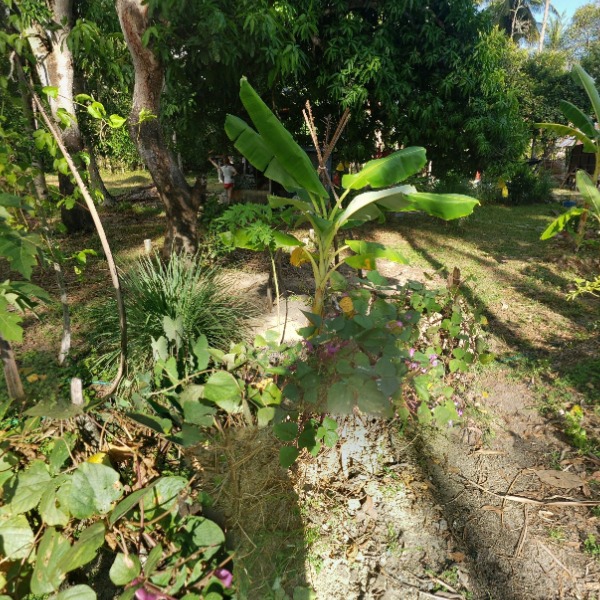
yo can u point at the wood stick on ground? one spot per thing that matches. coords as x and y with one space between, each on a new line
554 501
523 535
547 550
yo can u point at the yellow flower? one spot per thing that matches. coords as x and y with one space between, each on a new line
100 458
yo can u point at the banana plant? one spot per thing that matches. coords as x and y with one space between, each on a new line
271 149
584 130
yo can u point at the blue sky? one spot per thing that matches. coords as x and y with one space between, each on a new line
570 6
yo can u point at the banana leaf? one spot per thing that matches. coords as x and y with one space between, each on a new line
375 250
258 153
389 170
561 222
590 88
588 145
444 206
588 190
289 155
578 118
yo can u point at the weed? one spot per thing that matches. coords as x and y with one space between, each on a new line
591 546
557 535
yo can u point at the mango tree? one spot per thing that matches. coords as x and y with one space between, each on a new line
271 149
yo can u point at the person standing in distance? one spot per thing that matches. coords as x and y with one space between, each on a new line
227 175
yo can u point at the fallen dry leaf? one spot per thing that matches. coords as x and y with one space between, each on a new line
560 479
457 557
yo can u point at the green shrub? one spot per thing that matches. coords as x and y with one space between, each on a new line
524 185
453 183
199 298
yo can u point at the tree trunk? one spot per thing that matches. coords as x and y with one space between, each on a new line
55 67
180 203
544 24
11 371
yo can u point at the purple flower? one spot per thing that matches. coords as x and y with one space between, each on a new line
308 345
413 365
225 576
433 359
331 348
411 352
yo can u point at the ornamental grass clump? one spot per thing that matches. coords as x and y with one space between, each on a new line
199 298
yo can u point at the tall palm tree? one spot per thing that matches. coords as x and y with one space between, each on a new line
517 17
556 32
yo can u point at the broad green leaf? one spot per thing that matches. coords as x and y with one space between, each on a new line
124 569
61 165
77 592
16 538
565 130
578 118
196 413
58 456
94 488
50 90
392 199
372 401
286 432
21 252
222 389
258 153
83 98
10 200
285 240
206 534
375 249
339 399
424 414
31 484
389 170
97 110
116 121
265 415
338 282
291 157
163 496
301 205
200 350
368 262
128 503
30 290
157 424
10 323
288 456
561 222
47 574
49 511
444 206
589 191
153 559
84 549
65 117
160 348
590 88
444 413
173 329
